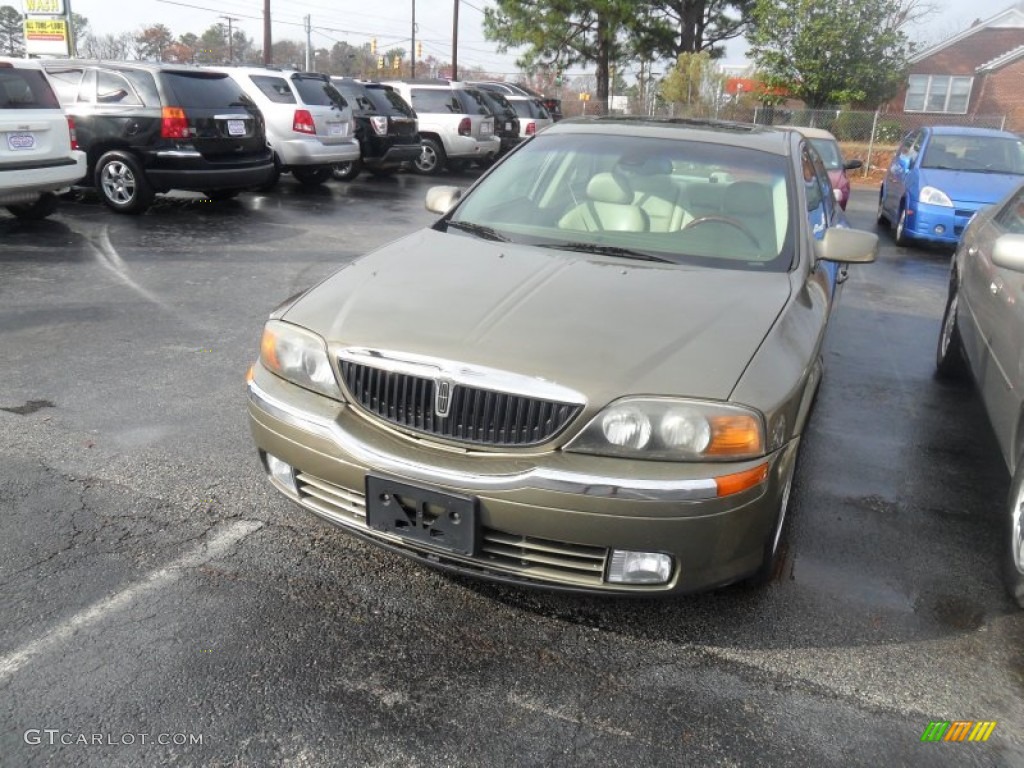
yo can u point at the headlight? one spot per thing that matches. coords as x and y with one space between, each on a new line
674 430
299 356
934 196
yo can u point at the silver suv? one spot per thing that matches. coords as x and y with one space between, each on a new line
309 123
39 153
455 124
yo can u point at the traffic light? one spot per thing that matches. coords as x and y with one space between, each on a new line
419 50
373 45
396 63
380 62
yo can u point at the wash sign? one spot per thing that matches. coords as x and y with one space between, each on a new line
43 7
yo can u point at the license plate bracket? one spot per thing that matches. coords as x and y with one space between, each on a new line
236 127
21 141
443 521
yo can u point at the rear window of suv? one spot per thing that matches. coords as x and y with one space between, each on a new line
203 90
274 88
473 101
388 101
25 89
435 100
318 92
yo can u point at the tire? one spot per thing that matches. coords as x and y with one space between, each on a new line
949 351
222 194
347 171
313 175
902 238
275 177
774 548
122 184
432 158
880 216
1013 566
37 211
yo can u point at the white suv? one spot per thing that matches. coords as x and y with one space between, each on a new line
309 124
39 154
455 123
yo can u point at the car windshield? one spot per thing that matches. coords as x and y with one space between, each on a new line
630 196
829 152
981 154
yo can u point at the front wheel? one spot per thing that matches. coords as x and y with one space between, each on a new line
774 548
347 171
902 238
949 353
311 176
122 183
1013 569
880 216
432 158
40 209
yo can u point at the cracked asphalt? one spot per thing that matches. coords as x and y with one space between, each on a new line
161 605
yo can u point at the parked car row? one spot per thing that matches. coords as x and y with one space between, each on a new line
140 129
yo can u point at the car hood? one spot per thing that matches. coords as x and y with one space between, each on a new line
970 186
604 327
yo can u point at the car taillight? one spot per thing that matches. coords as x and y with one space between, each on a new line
73 133
380 124
303 122
531 128
465 127
174 124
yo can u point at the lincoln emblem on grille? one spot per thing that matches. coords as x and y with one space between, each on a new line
442 397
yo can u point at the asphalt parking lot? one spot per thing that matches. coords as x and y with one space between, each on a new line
162 604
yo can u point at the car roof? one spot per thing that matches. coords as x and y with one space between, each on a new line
264 71
813 133
765 139
148 66
967 130
19 63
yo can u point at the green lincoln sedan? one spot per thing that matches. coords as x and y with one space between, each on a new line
592 373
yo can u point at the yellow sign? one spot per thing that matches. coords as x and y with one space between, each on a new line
584 96
46 36
46 7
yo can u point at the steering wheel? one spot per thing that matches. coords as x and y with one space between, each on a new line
735 223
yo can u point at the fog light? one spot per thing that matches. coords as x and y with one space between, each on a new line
639 567
282 473
939 229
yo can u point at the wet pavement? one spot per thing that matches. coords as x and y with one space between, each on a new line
153 588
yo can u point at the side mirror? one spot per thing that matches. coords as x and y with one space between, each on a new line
904 161
853 165
849 246
1008 252
442 199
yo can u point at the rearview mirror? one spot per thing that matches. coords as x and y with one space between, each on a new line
853 165
1008 252
850 246
442 199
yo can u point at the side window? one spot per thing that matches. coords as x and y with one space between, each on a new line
145 86
111 88
1011 218
824 183
274 88
811 186
66 83
435 100
87 90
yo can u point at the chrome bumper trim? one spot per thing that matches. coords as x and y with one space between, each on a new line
538 477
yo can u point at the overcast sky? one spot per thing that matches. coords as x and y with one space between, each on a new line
356 21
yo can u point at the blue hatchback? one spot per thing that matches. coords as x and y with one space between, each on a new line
942 175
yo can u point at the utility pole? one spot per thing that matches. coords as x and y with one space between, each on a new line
268 52
231 38
412 72
455 43
309 44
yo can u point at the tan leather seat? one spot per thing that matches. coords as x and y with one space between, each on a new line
609 208
751 203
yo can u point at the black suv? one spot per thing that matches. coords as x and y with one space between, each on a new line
506 124
385 126
552 105
148 128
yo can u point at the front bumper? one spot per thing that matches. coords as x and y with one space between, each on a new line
939 223
550 520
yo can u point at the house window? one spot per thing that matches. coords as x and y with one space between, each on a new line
938 93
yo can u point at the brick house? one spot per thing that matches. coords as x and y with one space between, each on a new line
978 72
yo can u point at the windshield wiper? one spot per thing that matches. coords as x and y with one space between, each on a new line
487 233
607 250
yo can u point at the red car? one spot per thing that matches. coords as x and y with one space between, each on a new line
832 156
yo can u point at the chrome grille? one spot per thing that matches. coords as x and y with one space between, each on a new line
477 416
330 500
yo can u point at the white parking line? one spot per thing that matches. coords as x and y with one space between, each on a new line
217 544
